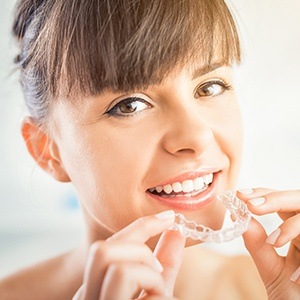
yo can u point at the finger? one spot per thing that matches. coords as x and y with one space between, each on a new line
286 232
268 262
292 263
160 298
102 254
169 251
296 276
246 194
79 294
138 231
144 228
124 280
276 201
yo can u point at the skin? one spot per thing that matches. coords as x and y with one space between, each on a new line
280 275
112 161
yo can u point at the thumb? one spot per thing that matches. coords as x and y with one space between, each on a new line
169 250
266 259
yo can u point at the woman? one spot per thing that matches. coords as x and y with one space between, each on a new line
133 102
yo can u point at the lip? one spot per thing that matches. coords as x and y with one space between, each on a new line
185 203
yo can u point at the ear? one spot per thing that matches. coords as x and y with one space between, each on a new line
43 149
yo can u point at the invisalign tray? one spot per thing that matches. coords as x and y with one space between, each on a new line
239 213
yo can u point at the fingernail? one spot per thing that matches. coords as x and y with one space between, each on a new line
295 275
272 238
246 191
257 201
158 264
165 215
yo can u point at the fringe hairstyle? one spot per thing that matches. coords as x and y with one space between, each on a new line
86 47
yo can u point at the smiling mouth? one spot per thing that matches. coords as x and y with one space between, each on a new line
186 188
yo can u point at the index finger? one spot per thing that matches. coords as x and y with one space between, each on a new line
142 229
275 201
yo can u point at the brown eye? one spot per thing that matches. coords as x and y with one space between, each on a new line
128 107
212 89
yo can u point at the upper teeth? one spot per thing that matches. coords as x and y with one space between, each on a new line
185 186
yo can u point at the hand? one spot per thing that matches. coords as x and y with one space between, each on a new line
124 267
281 275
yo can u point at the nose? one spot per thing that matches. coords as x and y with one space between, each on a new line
187 134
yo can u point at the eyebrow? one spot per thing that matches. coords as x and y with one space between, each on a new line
198 72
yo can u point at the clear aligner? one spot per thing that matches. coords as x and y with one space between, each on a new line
239 213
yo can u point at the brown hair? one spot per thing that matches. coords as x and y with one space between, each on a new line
89 46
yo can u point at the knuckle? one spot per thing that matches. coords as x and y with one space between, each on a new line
118 271
276 197
99 250
275 200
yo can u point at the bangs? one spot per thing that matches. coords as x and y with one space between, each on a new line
91 46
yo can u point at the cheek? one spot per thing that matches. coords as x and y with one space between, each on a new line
230 135
107 171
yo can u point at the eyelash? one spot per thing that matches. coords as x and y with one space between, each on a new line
114 110
226 86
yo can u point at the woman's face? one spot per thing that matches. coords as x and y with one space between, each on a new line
174 146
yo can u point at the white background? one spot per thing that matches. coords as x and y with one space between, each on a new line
39 218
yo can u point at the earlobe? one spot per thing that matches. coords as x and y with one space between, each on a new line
43 149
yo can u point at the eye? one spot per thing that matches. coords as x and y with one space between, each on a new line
212 88
128 107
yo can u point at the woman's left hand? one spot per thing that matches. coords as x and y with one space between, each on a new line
281 275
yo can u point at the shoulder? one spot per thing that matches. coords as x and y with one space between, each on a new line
49 279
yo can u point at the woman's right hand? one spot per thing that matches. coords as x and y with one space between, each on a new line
124 267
